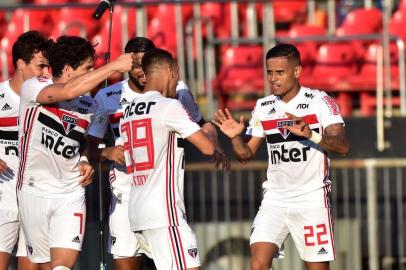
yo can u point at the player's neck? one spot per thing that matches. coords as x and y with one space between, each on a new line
154 84
134 87
16 82
291 93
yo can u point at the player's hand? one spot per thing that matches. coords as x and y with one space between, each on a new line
123 63
300 127
87 173
3 166
114 153
220 159
227 124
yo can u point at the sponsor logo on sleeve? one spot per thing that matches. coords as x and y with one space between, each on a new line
332 105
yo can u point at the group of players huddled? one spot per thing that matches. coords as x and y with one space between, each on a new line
45 161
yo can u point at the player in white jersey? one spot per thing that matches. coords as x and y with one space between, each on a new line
111 101
300 125
28 62
151 127
54 117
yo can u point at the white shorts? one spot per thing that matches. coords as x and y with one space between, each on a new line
11 233
311 230
171 248
122 241
50 223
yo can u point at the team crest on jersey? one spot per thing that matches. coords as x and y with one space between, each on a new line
192 252
281 127
69 122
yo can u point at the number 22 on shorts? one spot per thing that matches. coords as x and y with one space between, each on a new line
321 235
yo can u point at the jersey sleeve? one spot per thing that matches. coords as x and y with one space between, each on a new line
30 90
328 111
99 122
254 126
178 120
186 98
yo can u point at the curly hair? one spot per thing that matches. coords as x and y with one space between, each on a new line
27 45
70 51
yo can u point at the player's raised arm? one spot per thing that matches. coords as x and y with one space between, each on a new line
229 126
70 88
202 142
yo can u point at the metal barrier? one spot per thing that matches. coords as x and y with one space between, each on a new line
368 199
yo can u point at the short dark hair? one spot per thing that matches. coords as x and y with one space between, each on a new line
155 57
139 45
27 45
69 50
284 50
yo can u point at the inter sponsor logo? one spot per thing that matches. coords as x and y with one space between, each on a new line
289 154
139 108
69 122
58 146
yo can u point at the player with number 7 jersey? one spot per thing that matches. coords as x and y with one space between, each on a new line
152 127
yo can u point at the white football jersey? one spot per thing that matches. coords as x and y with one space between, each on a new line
49 141
151 128
9 102
111 101
297 166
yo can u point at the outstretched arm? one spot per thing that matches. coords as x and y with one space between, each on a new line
84 83
333 139
233 129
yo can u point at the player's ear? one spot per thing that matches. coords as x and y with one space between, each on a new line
67 70
20 64
298 71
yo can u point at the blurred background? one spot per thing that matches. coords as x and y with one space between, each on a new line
352 49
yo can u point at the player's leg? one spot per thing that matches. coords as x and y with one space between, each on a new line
312 232
123 244
317 265
262 254
4 259
172 247
23 262
131 263
66 230
268 233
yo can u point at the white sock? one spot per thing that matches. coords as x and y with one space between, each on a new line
61 268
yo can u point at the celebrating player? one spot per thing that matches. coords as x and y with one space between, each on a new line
111 100
52 175
151 127
300 125
29 61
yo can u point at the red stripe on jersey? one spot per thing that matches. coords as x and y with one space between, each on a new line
26 142
331 223
9 121
83 123
173 179
115 118
273 124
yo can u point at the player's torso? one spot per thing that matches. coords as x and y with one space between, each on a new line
296 165
51 138
157 164
9 105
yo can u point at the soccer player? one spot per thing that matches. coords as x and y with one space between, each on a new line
53 119
28 61
111 101
300 126
151 127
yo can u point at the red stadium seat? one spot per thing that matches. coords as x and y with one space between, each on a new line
397 24
81 18
47 2
40 20
292 11
241 73
364 19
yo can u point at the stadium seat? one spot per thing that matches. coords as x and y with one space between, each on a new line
241 74
335 64
40 20
81 18
397 24
162 28
293 11
364 19
47 2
